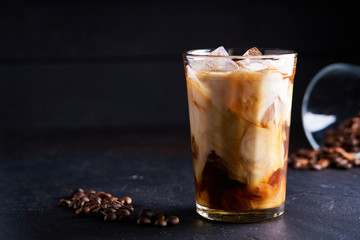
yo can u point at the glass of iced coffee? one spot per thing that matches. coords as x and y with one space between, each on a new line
239 109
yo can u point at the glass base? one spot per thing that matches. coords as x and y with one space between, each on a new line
240 216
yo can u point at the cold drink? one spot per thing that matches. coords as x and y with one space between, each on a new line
239 109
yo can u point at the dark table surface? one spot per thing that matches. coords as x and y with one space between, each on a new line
153 167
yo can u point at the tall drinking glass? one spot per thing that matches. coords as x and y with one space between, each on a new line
239 109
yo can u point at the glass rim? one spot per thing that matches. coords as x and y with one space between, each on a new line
284 52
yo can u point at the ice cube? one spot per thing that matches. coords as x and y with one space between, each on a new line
263 152
253 52
285 64
253 64
191 74
256 92
216 64
274 114
279 111
269 88
220 51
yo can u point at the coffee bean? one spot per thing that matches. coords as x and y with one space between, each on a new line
357 162
76 190
92 205
104 205
128 207
317 167
143 221
345 154
303 152
79 211
301 163
110 217
116 205
81 203
123 211
342 163
87 210
147 213
85 198
96 210
336 159
97 199
106 195
78 195
127 200
100 193
64 202
324 163
159 216
113 198
91 191
160 223
73 204
173 220
109 210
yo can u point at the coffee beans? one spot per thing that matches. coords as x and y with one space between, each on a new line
123 211
338 151
112 208
97 202
148 217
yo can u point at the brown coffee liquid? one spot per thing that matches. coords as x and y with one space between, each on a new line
217 191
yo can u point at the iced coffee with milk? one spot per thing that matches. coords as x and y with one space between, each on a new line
239 109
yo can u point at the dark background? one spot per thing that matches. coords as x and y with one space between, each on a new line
94 65
93 95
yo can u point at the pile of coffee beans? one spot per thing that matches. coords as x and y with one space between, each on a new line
112 208
339 149
100 203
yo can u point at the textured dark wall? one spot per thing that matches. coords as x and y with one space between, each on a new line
76 64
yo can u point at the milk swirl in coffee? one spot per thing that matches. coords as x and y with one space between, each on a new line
239 118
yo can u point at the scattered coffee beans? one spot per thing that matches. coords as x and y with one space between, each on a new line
112 208
173 220
143 221
160 223
147 213
338 151
148 216
159 216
